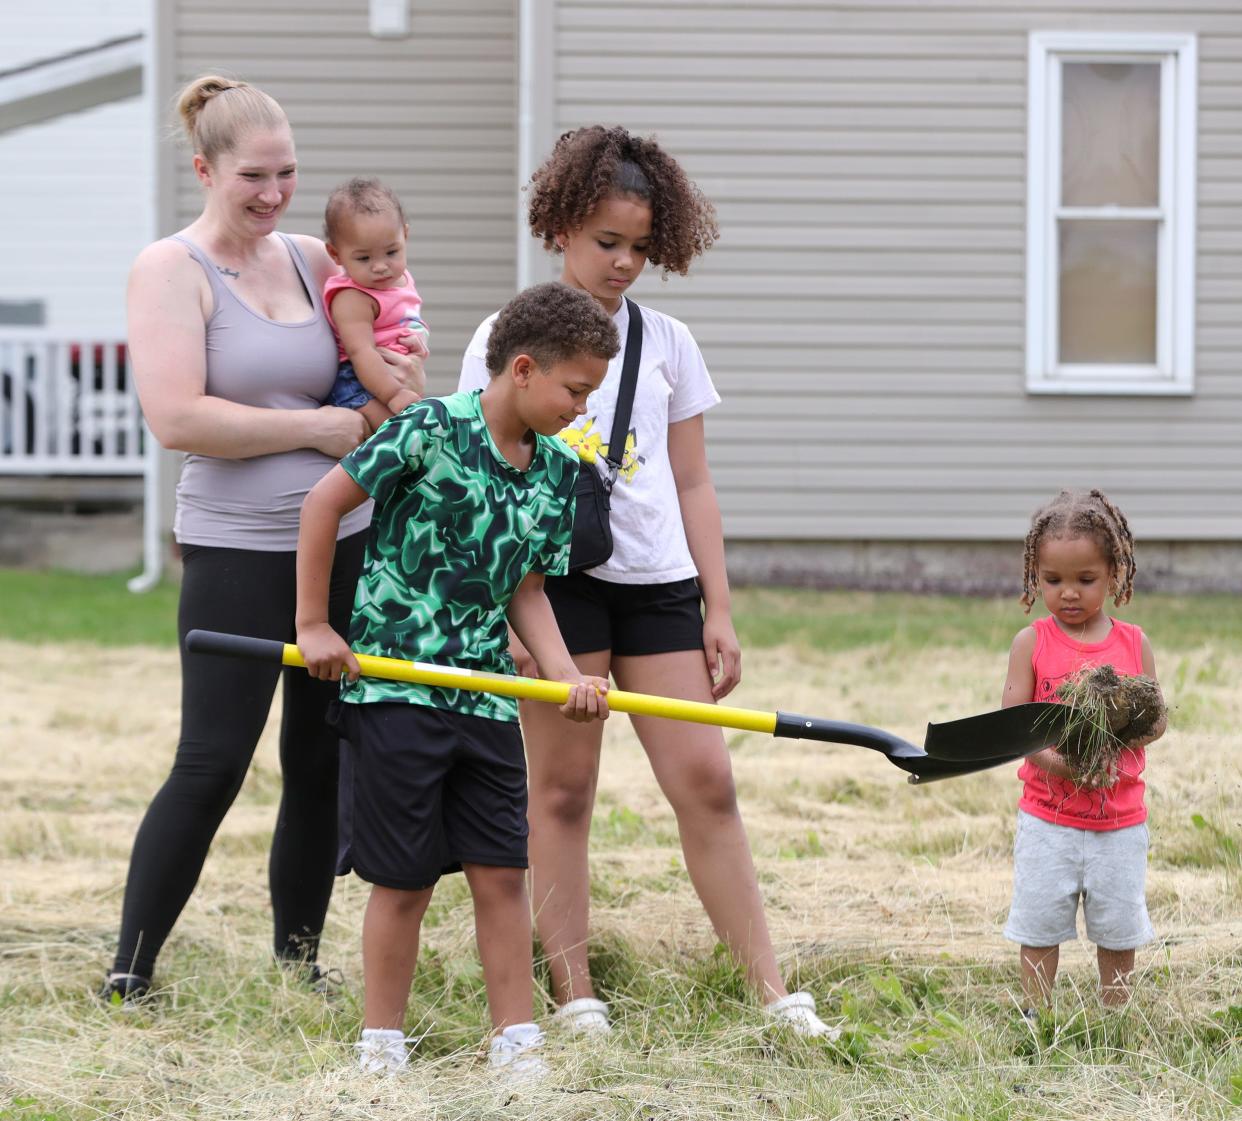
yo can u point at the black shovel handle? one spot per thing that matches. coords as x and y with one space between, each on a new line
789 725
235 646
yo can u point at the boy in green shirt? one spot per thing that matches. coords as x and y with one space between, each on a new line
473 506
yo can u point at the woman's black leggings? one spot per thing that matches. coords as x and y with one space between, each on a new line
224 705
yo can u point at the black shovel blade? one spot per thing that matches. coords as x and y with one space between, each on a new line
1007 733
930 769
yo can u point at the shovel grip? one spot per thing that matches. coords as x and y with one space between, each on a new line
235 646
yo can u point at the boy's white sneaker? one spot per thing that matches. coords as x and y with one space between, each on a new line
585 1016
382 1051
797 1012
513 1054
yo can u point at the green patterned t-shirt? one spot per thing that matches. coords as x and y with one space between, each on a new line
455 531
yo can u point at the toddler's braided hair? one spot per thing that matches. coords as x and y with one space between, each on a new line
1090 514
590 164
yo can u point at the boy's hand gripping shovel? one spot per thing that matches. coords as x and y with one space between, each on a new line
959 747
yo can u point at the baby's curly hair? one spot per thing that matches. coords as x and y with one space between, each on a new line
589 164
552 323
1090 514
360 195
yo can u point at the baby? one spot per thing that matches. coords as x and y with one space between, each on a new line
374 304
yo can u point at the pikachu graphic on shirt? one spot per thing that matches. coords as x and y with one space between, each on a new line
589 444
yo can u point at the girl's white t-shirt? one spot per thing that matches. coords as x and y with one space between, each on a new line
649 540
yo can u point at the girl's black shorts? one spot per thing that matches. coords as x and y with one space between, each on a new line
628 619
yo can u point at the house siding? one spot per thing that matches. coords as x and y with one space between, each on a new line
863 312
432 114
32 32
72 213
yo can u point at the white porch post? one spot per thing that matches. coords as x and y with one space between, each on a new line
152 543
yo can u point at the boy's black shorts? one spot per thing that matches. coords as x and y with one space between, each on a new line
424 791
628 619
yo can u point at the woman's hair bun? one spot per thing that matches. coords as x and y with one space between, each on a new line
217 111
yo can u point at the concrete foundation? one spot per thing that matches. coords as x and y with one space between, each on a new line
963 567
79 524
90 542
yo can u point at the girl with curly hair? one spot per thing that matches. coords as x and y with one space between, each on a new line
656 614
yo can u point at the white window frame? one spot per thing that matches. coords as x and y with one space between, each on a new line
1173 372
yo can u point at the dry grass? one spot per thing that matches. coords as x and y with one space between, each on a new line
886 899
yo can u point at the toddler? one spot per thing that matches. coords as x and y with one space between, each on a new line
1073 841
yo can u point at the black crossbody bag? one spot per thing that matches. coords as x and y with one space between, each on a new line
592 540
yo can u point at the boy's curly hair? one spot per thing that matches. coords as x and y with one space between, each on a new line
589 164
552 323
1090 514
360 195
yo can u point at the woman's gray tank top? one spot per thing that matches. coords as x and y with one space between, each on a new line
255 503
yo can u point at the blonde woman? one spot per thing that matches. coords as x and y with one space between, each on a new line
232 356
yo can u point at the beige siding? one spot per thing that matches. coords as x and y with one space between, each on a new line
433 114
863 313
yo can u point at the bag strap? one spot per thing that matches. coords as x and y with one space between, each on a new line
625 392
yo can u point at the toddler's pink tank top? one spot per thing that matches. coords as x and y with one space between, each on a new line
1057 657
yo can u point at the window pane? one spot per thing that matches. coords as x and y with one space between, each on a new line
1110 134
1108 292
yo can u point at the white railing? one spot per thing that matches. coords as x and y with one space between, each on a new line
68 407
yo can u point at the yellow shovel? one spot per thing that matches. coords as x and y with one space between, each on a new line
921 766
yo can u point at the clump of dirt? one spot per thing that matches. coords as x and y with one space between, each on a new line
1107 711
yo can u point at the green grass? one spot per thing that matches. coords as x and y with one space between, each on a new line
67 607
919 1042
1208 844
884 898
842 620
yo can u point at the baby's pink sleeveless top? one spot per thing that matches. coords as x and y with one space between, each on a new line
400 311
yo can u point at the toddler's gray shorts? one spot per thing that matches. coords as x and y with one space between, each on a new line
1056 865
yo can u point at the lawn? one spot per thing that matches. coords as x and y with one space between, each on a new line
886 900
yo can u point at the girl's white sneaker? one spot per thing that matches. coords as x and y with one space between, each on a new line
797 1012
513 1053
586 1016
382 1051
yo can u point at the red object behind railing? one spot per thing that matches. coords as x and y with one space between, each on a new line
97 353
